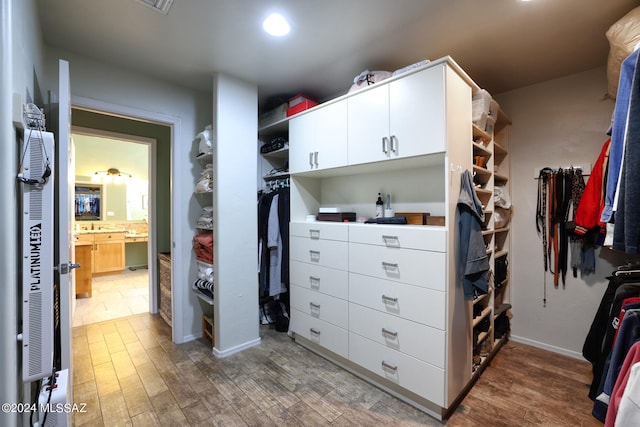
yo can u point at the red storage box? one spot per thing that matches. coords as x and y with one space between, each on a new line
298 104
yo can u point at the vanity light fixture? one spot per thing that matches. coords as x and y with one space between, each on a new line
276 25
111 175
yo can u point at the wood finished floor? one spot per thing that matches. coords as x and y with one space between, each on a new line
129 373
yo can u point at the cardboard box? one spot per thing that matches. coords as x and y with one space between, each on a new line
421 218
274 115
416 218
435 220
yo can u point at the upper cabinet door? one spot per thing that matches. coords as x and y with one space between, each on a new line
330 132
318 139
369 125
417 120
301 143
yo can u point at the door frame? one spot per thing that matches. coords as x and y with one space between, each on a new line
174 123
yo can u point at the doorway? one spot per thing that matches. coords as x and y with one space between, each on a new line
112 192
155 204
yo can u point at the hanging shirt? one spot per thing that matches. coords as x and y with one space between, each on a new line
618 133
626 232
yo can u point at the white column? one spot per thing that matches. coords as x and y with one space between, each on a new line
235 122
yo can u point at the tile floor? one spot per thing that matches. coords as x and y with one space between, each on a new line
114 296
130 373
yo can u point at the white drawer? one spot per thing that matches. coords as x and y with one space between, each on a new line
325 334
410 302
325 307
414 339
322 279
328 253
320 230
408 372
405 236
420 268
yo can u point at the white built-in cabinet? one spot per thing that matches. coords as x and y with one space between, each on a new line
393 121
386 301
322 139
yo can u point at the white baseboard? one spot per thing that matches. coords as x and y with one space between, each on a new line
188 338
222 354
538 344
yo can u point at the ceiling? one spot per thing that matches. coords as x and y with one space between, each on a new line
97 153
501 44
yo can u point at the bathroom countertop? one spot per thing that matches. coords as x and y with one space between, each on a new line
104 230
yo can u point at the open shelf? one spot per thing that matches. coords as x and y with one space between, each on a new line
202 296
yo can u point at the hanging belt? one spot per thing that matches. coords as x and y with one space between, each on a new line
542 218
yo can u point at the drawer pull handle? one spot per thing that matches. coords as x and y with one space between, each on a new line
389 366
314 279
314 234
315 158
314 331
311 159
313 305
385 141
389 299
386 265
388 332
392 139
391 241
314 254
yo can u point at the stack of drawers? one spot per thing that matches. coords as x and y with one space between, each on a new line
319 284
397 305
375 295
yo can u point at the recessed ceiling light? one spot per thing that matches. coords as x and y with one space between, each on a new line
276 25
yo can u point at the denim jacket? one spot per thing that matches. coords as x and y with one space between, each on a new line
473 253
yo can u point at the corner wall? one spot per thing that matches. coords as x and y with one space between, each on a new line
556 123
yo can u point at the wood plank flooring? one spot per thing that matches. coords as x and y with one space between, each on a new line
129 373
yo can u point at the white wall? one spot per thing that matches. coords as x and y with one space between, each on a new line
192 111
20 74
555 123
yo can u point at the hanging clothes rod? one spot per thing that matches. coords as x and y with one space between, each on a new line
586 169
